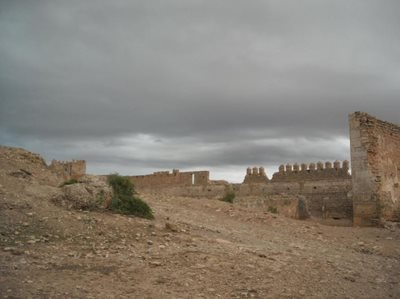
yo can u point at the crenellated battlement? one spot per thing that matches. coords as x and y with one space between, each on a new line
312 171
255 175
73 169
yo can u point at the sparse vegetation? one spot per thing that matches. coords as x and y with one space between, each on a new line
124 200
228 197
69 182
272 210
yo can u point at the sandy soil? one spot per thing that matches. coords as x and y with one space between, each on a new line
195 248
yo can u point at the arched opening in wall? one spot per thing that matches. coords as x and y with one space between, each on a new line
192 178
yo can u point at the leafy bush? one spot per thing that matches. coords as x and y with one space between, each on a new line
228 197
69 182
124 200
273 210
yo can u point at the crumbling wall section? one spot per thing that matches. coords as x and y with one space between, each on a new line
74 169
375 156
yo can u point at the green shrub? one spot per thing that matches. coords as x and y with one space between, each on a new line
124 200
69 182
273 210
228 197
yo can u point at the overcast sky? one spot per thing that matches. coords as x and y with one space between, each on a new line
139 86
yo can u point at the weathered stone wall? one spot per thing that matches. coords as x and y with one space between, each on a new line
199 191
312 172
325 199
325 187
166 179
74 169
283 204
375 155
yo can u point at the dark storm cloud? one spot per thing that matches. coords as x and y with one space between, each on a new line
208 83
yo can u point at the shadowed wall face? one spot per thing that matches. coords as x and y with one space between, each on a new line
375 156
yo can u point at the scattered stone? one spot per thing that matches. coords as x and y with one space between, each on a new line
155 263
350 278
149 242
9 248
171 227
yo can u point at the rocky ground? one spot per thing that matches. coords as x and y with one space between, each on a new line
195 248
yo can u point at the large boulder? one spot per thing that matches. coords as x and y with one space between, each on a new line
91 192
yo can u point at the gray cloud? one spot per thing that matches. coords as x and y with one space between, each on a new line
216 84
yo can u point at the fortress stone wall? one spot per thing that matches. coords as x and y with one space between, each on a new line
167 179
312 172
375 155
371 193
325 187
326 196
74 169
